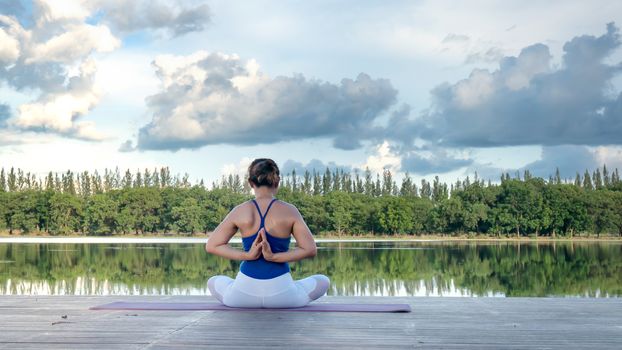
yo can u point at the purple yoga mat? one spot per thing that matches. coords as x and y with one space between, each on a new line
315 307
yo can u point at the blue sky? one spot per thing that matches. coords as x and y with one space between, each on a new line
428 87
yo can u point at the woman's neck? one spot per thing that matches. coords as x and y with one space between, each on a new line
264 193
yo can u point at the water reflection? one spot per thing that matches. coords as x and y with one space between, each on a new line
356 269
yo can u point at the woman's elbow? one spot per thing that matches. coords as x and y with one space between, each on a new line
209 248
312 252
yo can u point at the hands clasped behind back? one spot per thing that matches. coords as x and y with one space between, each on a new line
266 250
256 247
260 246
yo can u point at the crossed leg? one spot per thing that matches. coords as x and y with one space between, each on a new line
299 294
222 288
315 286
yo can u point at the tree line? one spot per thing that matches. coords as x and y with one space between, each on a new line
333 201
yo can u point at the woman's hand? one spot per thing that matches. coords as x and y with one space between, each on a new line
266 250
255 251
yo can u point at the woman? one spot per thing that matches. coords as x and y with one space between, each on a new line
264 279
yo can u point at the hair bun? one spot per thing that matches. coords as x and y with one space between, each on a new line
264 172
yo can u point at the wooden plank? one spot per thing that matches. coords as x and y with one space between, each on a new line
465 323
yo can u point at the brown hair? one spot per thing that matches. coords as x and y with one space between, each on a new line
264 172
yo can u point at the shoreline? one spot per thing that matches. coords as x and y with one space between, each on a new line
326 239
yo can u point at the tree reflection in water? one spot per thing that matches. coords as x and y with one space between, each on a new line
355 269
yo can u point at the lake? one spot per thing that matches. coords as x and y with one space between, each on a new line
490 269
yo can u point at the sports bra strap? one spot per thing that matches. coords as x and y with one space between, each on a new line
263 217
258 210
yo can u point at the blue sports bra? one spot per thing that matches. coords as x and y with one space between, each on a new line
261 268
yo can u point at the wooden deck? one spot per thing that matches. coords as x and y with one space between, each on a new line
32 322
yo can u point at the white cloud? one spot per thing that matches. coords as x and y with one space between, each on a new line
125 78
45 62
219 98
176 17
50 11
384 158
127 146
519 71
458 39
9 48
526 102
128 16
609 155
58 111
64 48
475 90
240 168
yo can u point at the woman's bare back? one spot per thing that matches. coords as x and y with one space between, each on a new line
279 221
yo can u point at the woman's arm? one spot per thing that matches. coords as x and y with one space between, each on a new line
218 242
305 244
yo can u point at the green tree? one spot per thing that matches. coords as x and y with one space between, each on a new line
4 204
520 205
314 212
65 213
140 209
474 214
187 216
605 215
395 216
451 213
369 183
101 215
2 181
587 180
20 212
339 205
408 188
326 182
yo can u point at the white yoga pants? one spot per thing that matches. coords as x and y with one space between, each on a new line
278 292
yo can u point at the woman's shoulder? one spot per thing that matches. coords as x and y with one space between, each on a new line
285 204
241 208
288 208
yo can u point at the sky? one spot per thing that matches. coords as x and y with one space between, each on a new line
432 88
